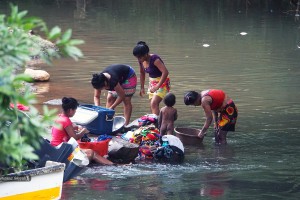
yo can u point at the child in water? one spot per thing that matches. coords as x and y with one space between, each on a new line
167 115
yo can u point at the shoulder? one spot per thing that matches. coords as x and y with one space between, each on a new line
64 120
206 100
163 109
155 57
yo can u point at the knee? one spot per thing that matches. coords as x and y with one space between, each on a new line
127 102
110 98
154 104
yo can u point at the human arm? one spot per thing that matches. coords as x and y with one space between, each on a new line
142 81
215 117
97 94
175 115
205 103
161 66
71 132
121 96
159 118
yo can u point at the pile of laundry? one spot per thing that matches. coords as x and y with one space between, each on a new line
152 145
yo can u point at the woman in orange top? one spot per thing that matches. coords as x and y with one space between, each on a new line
218 106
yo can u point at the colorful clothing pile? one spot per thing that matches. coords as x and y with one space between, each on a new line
147 137
147 119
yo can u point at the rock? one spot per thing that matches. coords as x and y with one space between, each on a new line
38 75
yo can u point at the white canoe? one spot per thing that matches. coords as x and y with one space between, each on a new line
40 183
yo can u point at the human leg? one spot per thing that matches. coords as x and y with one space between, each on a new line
170 129
220 136
101 160
226 122
127 109
154 104
129 87
157 97
163 129
110 99
93 156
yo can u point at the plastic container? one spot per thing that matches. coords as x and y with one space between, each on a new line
188 136
100 147
84 116
103 123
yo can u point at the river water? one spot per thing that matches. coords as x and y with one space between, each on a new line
259 70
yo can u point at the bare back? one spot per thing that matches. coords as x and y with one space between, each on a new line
167 117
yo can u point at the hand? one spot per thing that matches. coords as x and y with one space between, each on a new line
84 131
111 108
216 126
79 128
142 92
201 134
153 89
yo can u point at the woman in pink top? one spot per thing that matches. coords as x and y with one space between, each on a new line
66 129
218 106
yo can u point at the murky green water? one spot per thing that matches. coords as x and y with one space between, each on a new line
260 71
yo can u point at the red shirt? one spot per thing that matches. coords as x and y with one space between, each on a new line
59 133
218 97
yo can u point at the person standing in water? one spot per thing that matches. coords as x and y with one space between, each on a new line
167 115
120 80
159 81
218 106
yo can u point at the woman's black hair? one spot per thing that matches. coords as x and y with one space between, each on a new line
190 97
140 49
69 103
98 80
170 100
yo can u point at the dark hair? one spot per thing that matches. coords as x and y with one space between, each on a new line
190 97
98 80
170 100
140 49
69 103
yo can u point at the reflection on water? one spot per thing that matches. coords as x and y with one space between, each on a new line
259 70
41 88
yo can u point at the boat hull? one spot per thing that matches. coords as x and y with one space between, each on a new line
40 183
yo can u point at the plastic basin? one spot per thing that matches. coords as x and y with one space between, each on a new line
188 136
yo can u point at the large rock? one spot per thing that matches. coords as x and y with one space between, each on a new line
38 75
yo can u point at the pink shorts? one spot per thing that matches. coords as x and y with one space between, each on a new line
129 86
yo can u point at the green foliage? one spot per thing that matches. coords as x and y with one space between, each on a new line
19 131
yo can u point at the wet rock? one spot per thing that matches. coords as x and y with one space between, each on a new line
53 102
38 75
